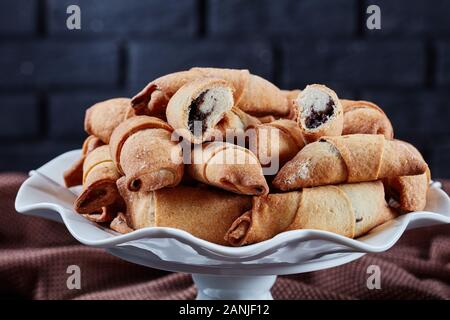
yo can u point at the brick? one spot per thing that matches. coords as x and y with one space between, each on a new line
411 18
67 110
404 109
149 60
422 112
440 160
50 63
30 155
287 17
443 63
353 63
435 113
421 118
131 17
18 17
19 116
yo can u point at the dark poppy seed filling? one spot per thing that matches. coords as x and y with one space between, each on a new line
195 114
317 118
358 220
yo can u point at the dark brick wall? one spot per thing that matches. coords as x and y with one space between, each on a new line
49 75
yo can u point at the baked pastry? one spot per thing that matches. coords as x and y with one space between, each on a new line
106 214
74 175
275 143
350 158
291 94
229 167
103 117
365 117
119 224
234 124
203 212
197 107
99 195
350 210
237 130
319 112
143 150
266 119
409 193
252 94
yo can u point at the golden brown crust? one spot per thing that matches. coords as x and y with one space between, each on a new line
279 140
351 158
235 122
332 126
365 117
143 150
203 212
119 224
106 214
179 109
291 94
350 210
409 192
266 119
74 175
128 128
103 117
339 175
99 182
229 167
252 94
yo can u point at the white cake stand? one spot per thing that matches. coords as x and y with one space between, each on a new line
219 272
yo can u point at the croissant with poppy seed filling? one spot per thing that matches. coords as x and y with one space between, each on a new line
196 108
252 94
319 112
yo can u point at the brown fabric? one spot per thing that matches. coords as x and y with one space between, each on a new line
35 254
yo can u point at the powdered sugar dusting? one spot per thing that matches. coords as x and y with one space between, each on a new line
301 173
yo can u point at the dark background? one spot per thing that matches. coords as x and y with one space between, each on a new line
49 75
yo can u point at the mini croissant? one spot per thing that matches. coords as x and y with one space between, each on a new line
279 140
229 167
409 192
203 212
196 108
252 94
74 175
365 117
350 158
143 150
100 192
103 117
350 210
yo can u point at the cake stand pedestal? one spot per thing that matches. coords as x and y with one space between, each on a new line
213 287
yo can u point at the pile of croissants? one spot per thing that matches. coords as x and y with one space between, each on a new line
301 159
